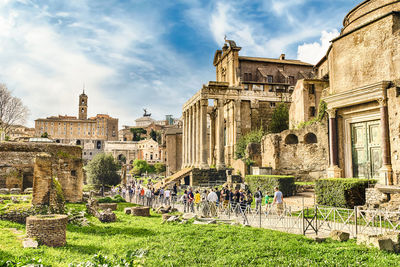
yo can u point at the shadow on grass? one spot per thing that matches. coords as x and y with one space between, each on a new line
109 230
83 249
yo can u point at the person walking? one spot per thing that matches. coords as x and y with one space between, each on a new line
190 200
167 197
278 200
197 200
258 196
212 199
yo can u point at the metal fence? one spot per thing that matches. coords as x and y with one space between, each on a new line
318 220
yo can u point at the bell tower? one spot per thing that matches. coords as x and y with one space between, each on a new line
83 105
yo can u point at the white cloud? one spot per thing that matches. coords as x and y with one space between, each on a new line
313 52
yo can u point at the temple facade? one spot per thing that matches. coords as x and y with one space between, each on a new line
242 99
363 68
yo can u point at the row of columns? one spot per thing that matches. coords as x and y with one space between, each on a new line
195 149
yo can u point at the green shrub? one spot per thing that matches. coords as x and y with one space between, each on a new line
341 192
116 199
268 182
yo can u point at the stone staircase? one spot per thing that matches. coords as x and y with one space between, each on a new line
173 178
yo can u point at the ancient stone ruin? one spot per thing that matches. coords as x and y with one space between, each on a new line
17 163
49 230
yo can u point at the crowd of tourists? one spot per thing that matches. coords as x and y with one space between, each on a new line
215 199
239 199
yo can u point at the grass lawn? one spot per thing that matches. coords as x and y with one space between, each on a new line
187 244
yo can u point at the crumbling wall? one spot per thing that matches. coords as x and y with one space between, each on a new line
17 166
303 153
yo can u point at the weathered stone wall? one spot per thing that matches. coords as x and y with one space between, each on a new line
17 165
374 9
302 153
173 139
199 176
366 56
303 100
394 128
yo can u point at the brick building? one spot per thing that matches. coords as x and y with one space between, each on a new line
91 133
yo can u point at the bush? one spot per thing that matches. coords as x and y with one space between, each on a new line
268 182
116 199
341 192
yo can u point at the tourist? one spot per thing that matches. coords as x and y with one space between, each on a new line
167 197
161 195
185 200
174 192
123 192
212 199
148 195
278 200
258 196
130 190
249 198
204 195
226 195
142 194
197 199
190 200
218 193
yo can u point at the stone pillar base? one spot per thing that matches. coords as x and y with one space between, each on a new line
334 172
204 166
386 175
220 167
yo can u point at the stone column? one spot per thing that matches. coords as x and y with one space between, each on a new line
193 143
386 172
220 135
333 171
198 134
238 124
190 137
203 134
184 139
212 138
195 139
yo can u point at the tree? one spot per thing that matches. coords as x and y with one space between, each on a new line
159 168
12 110
137 134
102 170
45 135
156 136
140 166
241 145
279 119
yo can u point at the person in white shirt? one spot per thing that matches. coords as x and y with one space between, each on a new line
278 200
167 196
212 199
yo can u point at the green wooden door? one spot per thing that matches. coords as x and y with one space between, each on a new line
366 149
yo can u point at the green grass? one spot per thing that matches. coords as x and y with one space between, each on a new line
195 245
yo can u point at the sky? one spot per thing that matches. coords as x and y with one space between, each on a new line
130 55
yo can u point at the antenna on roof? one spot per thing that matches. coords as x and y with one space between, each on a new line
83 88
225 38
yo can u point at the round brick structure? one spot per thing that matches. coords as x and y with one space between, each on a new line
141 211
111 206
49 230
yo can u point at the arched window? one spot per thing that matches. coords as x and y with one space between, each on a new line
78 142
291 139
310 138
98 144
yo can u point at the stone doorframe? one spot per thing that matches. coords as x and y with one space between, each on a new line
370 114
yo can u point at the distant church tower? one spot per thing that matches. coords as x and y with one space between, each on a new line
83 105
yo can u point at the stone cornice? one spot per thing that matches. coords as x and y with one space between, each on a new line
357 96
221 91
